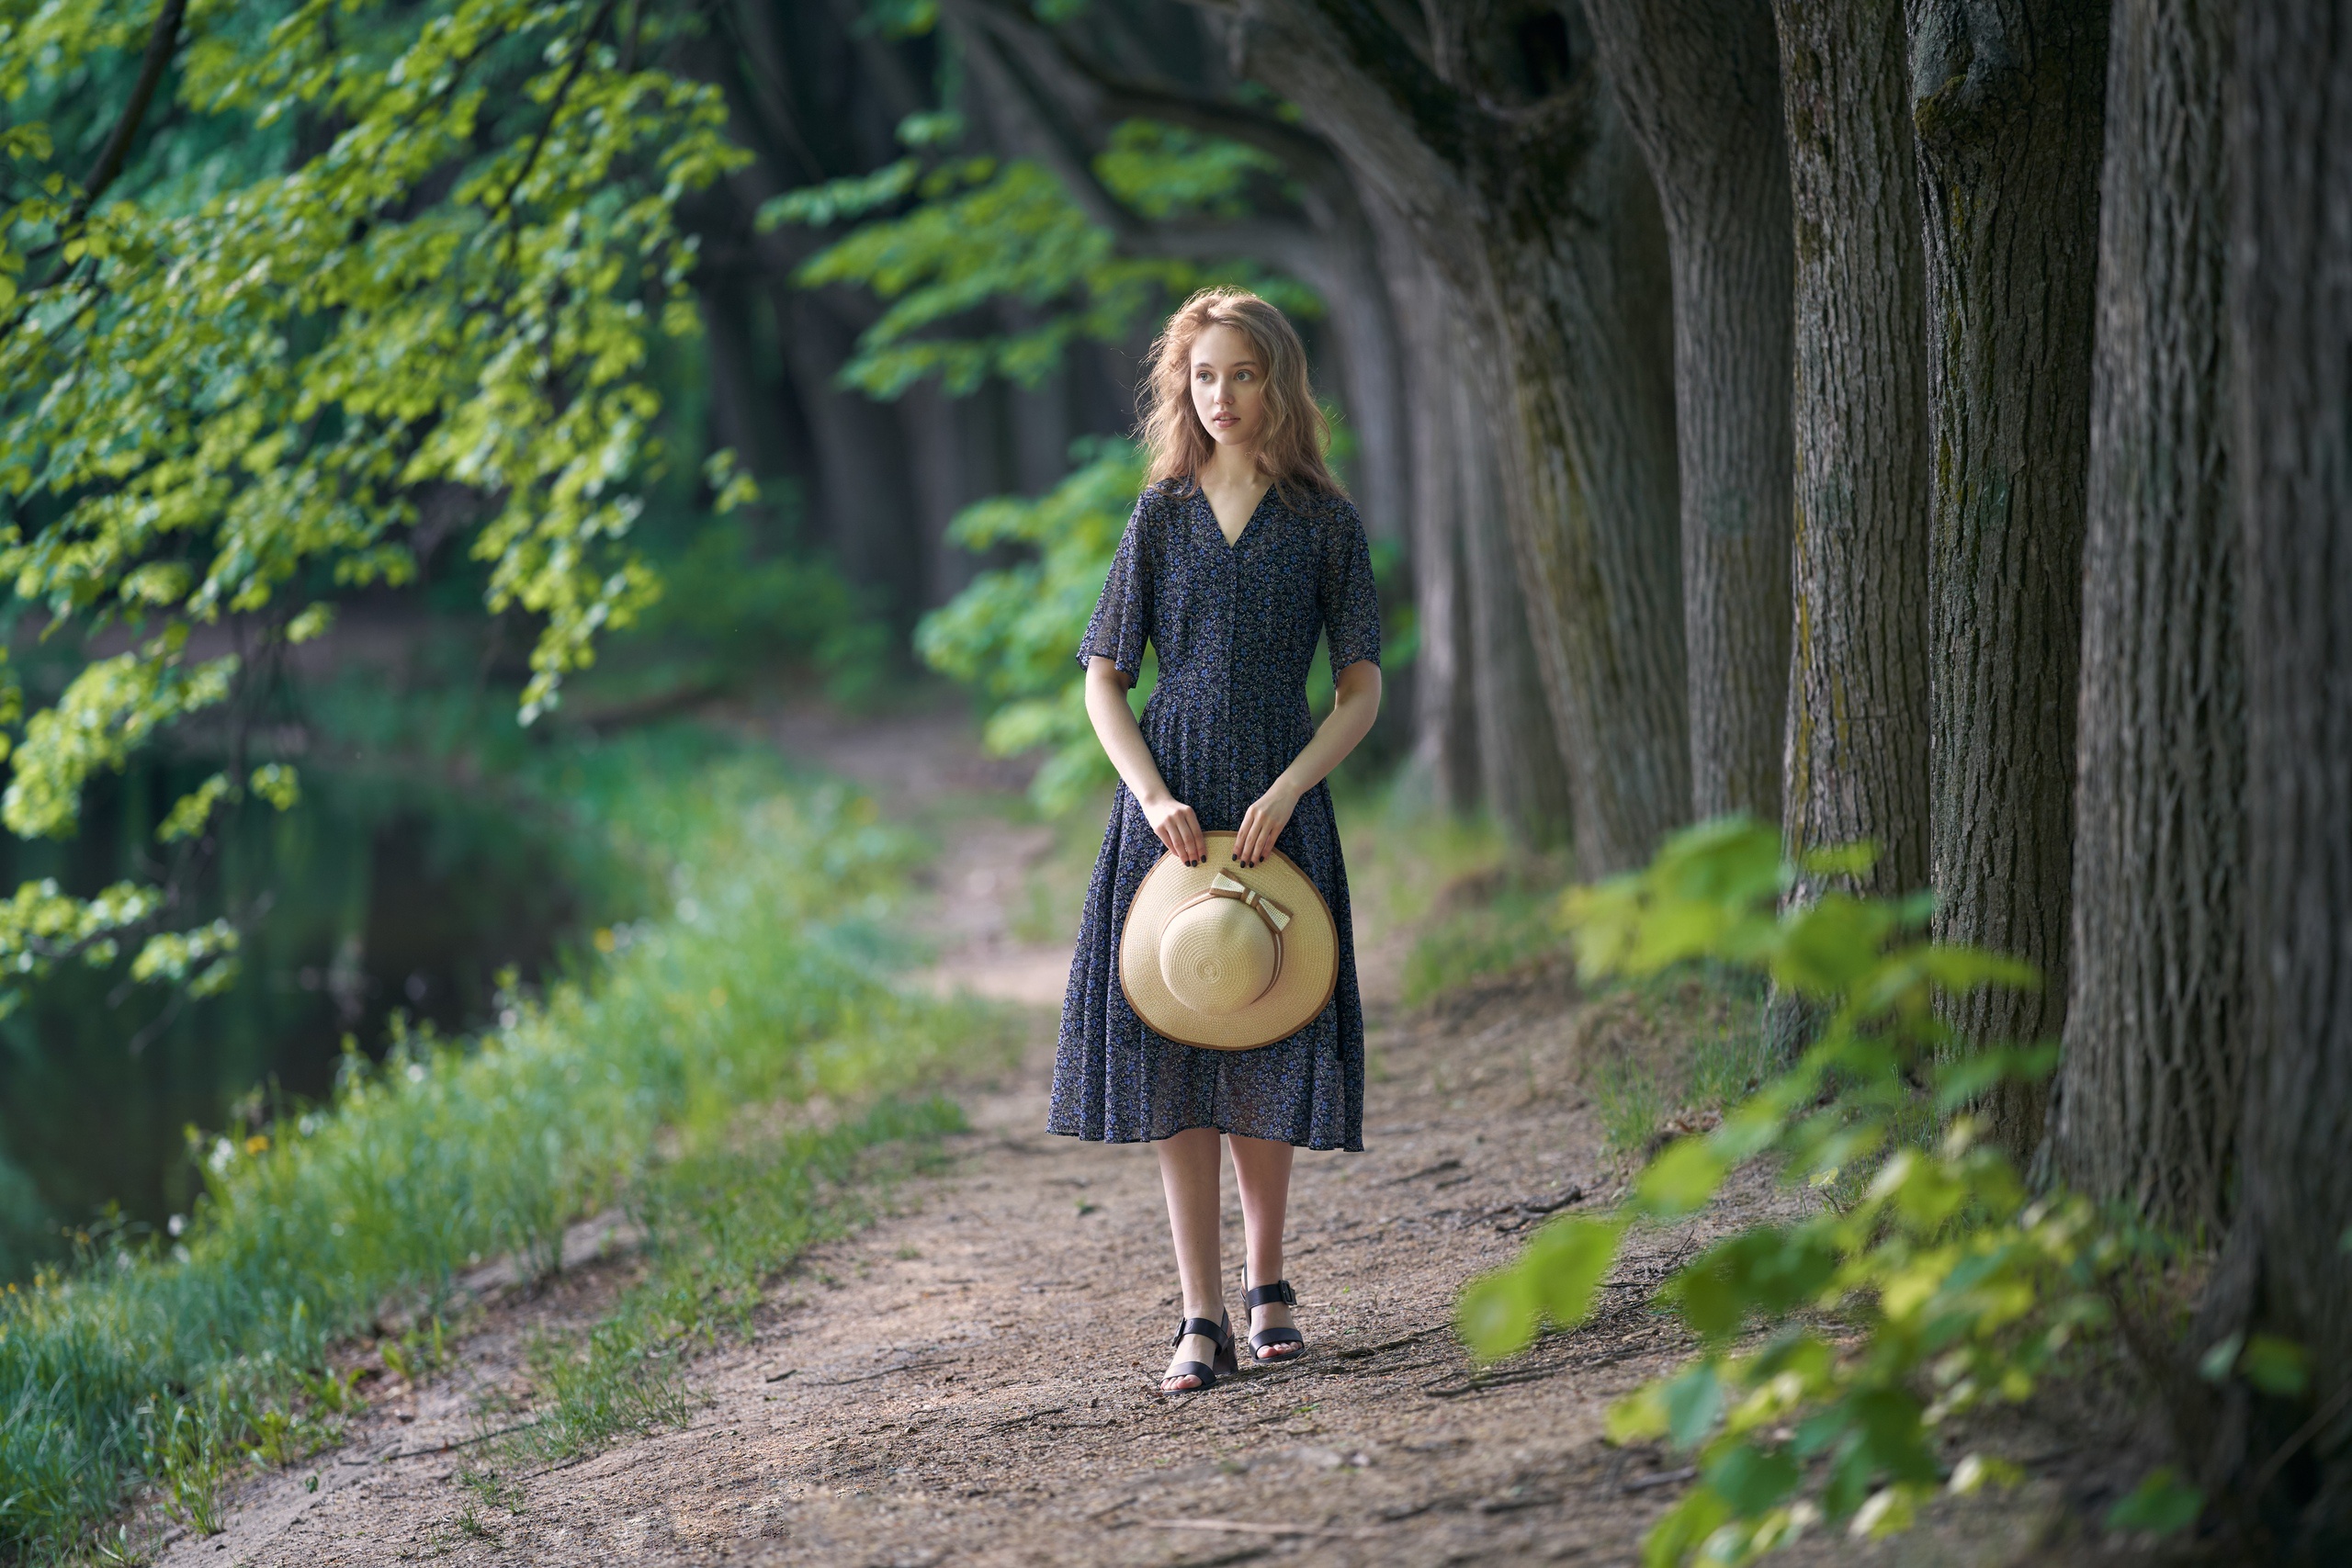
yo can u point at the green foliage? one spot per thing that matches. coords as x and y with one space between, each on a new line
984 229
1952 1284
1014 632
388 248
2163 1504
770 980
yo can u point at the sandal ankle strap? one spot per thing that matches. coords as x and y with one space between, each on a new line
1215 1333
1280 1290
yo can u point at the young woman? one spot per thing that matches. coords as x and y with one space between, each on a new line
1242 551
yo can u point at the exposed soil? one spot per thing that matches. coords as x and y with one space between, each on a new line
971 1380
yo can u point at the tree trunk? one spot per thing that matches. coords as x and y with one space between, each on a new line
1445 672
1485 728
2291 312
1495 139
1699 82
1370 371
1579 273
959 455
862 497
1521 760
2148 1101
1857 740
2007 100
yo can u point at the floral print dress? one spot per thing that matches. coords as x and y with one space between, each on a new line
1235 628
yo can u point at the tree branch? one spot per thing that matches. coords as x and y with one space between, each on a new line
162 44
1302 153
555 112
1062 147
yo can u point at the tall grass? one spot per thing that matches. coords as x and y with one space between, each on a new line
766 980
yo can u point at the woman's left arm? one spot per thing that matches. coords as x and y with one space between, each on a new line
1356 704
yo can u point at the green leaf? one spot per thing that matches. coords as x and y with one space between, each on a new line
1565 1262
2162 1504
1498 1315
278 784
2278 1367
1694 1401
2221 1358
1552 1281
1681 1180
1841 860
1751 1479
1639 1416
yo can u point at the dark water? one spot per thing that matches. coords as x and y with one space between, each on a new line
374 894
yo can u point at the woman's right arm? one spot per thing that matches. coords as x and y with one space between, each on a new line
1115 727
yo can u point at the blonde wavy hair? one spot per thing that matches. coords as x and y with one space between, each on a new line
1291 451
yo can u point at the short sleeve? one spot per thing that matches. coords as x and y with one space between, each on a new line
1122 617
1350 601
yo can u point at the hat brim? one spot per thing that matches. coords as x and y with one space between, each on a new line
1310 970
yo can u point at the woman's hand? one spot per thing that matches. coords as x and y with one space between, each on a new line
1264 823
1177 827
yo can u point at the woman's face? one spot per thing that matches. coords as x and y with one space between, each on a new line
1228 387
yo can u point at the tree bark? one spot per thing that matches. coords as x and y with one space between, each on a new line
1857 741
1496 141
2148 1100
2006 102
1699 82
1487 733
1527 779
1445 740
2291 312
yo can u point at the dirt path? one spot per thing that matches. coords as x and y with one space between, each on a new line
971 1380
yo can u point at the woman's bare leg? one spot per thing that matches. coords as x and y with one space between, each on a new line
1189 1173
1261 1171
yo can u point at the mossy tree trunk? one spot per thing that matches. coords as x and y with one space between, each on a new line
1699 82
2006 114
1857 741
1489 131
2147 1108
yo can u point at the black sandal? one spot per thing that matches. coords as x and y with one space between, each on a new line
1266 1339
1219 1334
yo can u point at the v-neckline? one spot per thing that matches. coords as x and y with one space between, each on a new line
1219 528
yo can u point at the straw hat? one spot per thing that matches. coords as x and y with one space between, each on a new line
1226 958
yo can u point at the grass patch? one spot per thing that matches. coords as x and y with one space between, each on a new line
1467 901
718 1224
767 981
1667 1055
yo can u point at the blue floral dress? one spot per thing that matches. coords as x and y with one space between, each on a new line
1234 627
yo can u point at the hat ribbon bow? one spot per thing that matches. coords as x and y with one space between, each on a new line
1234 887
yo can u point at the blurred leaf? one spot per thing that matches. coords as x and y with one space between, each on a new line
1681 1180
1498 1315
1750 1479
2162 1504
1694 1400
2279 1368
2221 1358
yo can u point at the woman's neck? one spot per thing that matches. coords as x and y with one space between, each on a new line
1231 468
